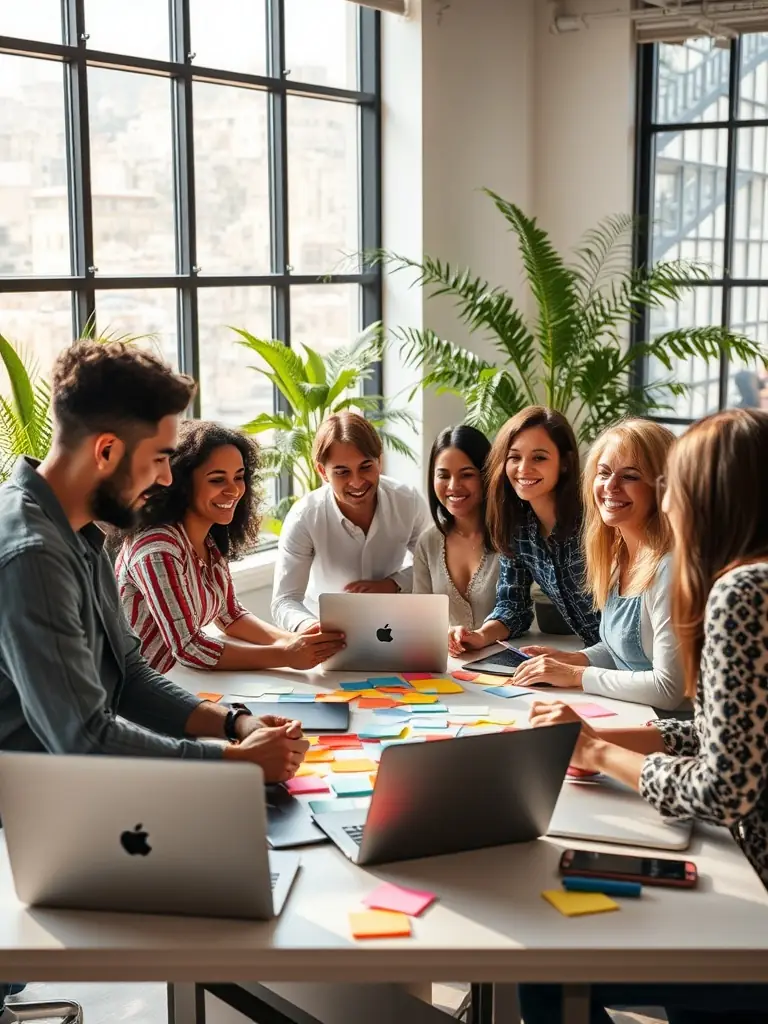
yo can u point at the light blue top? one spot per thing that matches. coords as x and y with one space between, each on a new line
637 657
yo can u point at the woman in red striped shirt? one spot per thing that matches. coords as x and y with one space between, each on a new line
173 572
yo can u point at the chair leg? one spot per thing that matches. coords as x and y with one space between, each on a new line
68 1011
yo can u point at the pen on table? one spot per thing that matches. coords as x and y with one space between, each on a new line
609 886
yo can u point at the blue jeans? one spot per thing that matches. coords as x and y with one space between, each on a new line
684 1004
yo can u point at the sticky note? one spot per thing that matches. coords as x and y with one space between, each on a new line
438 736
393 714
574 904
418 698
466 677
213 697
338 740
296 698
438 686
386 731
357 764
306 784
507 691
367 703
362 684
337 696
413 676
378 681
310 769
406 739
468 709
431 722
379 924
352 785
319 754
427 709
486 679
311 740
592 711
395 897
393 689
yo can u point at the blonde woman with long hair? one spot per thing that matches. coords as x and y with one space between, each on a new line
627 540
714 768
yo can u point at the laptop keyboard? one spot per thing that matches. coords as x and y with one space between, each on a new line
355 833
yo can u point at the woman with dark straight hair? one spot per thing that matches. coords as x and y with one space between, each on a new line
714 768
454 556
533 514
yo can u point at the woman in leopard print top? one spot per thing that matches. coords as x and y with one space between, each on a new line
714 768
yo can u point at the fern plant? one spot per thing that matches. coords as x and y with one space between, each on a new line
25 421
571 354
313 387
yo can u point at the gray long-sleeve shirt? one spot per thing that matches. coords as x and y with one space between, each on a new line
72 680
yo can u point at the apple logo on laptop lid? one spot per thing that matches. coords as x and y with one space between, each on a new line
135 842
384 634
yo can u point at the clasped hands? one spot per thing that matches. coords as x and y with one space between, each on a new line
276 744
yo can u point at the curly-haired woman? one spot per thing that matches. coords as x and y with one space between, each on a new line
173 571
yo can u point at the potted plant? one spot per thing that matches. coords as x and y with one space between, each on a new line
571 353
25 421
313 387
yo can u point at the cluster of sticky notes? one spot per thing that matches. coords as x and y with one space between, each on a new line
577 904
390 909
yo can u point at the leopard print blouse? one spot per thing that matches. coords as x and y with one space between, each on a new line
716 767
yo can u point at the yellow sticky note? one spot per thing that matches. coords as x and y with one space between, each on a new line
214 698
360 764
312 740
439 685
367 693
418 698
379 924
495 720
322 754
306 769
485 680
573 904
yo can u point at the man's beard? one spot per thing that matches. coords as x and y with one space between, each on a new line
109 506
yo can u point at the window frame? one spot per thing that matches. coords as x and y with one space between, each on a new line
85 282
646 131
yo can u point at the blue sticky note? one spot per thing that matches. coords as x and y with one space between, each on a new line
431 723
393 713
427 709
361 684
295 698
506 691
351 785
388 731
375 681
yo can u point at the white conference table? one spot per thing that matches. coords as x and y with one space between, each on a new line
489 924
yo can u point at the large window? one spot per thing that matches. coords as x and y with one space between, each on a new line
703 193
176 167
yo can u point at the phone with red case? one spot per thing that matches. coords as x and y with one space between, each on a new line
678 874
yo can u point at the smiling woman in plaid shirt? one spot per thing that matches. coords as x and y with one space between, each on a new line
534 520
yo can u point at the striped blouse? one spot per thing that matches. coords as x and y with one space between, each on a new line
169 595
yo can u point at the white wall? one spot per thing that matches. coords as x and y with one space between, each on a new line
488 97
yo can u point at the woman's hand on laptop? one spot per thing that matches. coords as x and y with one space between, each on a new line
372 587
546 669
278 750
311 648
555 712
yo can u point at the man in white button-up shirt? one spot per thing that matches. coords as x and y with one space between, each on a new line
353 534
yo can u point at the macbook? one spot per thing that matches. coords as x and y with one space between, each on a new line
388 632
460 794
157 836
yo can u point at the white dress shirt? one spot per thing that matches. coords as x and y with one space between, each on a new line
321 551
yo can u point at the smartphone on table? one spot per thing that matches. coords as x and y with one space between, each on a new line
679 874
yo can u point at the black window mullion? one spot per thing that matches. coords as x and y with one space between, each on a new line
79 165
730 199
369 63
642 243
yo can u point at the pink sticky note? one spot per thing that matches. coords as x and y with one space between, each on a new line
592 711
410 676
394 897
307 784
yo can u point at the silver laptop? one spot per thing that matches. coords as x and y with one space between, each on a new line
460 794
388 632
609 812
139 834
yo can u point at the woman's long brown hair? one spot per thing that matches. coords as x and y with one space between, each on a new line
505 512
717 501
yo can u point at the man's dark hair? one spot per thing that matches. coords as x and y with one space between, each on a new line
114 388
168 505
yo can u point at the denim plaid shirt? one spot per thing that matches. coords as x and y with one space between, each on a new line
558 568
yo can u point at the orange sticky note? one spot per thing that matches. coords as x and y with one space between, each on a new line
379 924
321 754
310 769
465 677
437 685
359 764
372 778
213 697
337 696
393 689
418 698
375 702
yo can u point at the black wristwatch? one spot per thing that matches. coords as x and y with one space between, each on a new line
229 723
